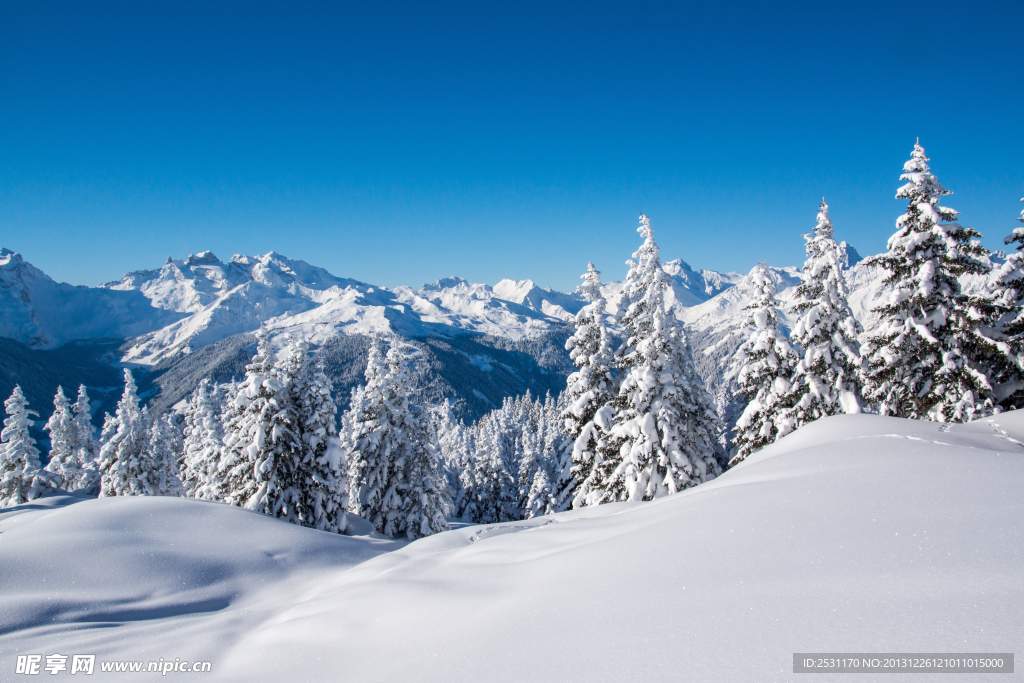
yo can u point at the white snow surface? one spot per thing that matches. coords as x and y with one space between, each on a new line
856 533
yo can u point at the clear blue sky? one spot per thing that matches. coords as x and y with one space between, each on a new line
398 143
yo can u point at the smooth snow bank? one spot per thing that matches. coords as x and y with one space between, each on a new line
154 577
855 534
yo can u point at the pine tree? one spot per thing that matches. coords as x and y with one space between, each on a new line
663 433
21 477
425 503
1004 314
495 495
63 437
320 473
165 446
86 451
767 362
203 441
557 456
826 381
454 441
587 390
261 446
123 445
394 471
128 465
376 462
919 355
553 461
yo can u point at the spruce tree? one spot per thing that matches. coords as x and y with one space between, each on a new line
826 381
425 502
376 461
165 446
203 441
63 463
86 451
21 477
394 470
123 445
663 432
128 464
919 355
557 455
261 446
589 389
320 476
495 496
1004 313
454 440
767 363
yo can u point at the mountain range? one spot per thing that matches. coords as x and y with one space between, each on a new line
194 317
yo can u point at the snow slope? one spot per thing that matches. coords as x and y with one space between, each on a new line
45 314
855 533
292 296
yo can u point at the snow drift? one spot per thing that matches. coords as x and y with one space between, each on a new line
855 533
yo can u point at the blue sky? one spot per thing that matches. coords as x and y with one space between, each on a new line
398 143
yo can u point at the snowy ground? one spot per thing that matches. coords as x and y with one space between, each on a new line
855 534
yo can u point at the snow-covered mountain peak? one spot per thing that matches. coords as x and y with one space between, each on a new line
202 258
42 313
449 283
848 255
514 290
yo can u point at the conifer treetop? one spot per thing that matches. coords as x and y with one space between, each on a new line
924 191
1017 236
590 290
824 226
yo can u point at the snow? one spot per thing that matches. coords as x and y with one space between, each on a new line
854 533
42 313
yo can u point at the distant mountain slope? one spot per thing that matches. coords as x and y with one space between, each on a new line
39 373
473 373
44 314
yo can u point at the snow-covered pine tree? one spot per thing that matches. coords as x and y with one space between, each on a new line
541 498
394 473
123 446
106 432
86 451
1004 312
376 460
918 357
454 440
261 447
767 362
63 438
320 475
495 494
663 433
165 446
826 381
128 465
21 477
553 463
529 454
425 503
203 441
587 390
